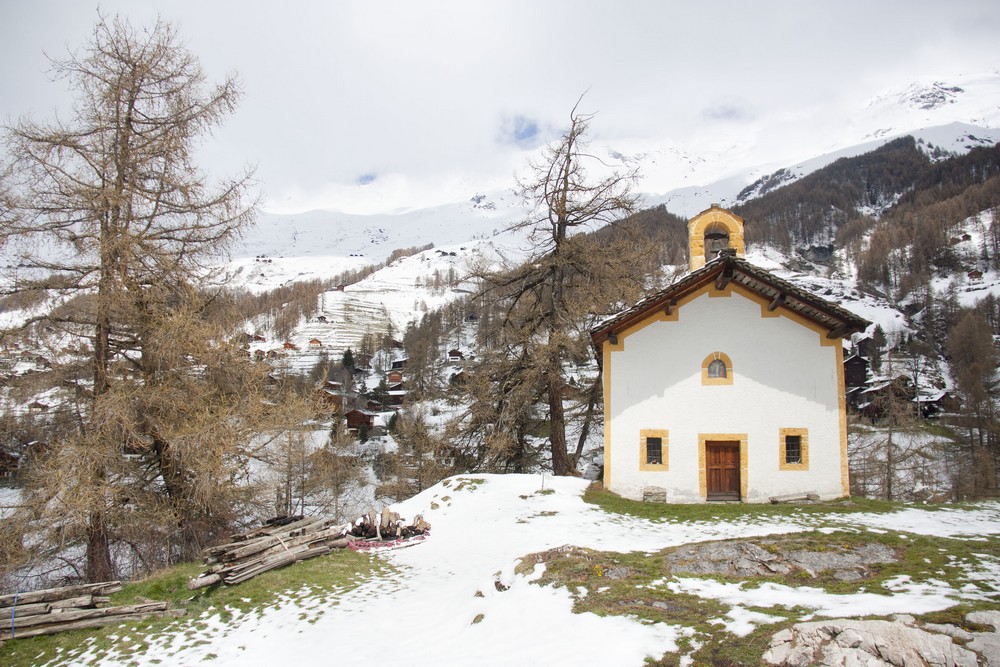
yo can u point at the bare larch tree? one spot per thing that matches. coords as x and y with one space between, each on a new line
568 282
112 221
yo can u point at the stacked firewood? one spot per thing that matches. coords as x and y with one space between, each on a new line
388 526
69 608
280 544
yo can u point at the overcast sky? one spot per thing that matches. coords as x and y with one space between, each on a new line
372 105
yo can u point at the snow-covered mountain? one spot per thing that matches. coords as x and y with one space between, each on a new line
687 176
945 118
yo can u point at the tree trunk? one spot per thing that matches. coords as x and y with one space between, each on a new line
557 426
99 566
593 396
889 465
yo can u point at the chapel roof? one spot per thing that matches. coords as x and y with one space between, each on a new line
726 268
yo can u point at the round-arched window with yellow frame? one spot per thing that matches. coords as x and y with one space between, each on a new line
717 368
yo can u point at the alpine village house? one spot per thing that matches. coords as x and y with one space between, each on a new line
726 385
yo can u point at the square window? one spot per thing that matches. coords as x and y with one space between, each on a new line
654 451
793 449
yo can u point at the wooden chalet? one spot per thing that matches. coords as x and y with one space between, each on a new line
330 401
855 371
933 405
357 418
874 400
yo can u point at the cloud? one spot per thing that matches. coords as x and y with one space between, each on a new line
382 104
727 112
521 131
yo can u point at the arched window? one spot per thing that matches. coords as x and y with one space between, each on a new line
717 368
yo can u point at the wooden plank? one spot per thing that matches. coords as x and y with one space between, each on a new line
69 615
25 610
278 543
236 550
50 594
84 624
82 601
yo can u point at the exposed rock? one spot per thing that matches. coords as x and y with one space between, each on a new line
846 643
748 559
618 572
987 644
950 630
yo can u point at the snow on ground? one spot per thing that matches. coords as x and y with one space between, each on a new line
943 522
907 597
443 603
10 497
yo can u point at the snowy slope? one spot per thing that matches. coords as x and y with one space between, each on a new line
687 176
322 244
455 599
713 165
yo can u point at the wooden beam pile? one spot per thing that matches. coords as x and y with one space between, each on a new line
69 608
273 546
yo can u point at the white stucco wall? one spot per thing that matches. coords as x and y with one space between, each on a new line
782 378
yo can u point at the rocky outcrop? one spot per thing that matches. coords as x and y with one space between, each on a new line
898 643
741 558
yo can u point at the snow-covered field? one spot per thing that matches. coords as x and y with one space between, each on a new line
455 599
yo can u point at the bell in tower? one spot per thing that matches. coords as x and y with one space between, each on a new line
712 231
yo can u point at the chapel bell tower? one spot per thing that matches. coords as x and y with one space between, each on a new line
710 231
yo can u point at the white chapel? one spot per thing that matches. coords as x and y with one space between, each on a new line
726 385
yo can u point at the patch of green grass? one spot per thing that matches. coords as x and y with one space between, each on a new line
332 575
596 494
632 584
469 483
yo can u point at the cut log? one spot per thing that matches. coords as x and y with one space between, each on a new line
203 581
258 551
268 531
25 610
82 601
84 624
50 594
68 615
277 543
256 568
237 550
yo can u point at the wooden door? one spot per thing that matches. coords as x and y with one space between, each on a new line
722 470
